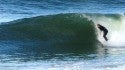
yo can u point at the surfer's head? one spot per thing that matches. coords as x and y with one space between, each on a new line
98 25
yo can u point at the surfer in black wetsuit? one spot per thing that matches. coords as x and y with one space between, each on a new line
105 31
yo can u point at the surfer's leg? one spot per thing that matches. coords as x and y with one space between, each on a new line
104 35
105 38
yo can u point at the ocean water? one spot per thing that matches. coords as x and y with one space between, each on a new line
61 35
16 9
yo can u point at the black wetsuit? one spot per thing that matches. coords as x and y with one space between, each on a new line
105 31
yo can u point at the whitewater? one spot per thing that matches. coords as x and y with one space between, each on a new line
115 25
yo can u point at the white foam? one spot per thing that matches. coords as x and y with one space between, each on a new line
115 26
117 38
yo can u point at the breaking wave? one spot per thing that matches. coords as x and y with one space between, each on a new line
71 32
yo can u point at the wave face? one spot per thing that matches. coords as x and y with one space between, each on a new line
23 43
62 32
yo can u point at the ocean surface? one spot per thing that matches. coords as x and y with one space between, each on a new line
61 35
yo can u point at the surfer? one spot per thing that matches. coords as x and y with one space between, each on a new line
105 31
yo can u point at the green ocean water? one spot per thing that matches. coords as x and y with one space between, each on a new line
62 42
